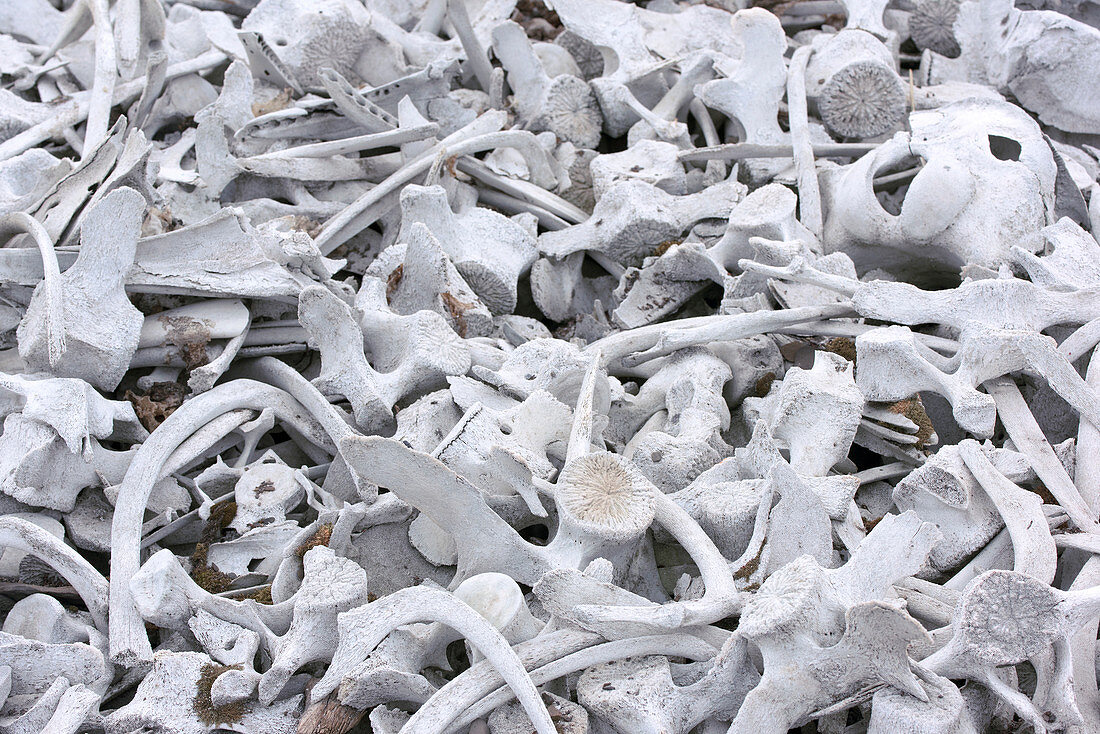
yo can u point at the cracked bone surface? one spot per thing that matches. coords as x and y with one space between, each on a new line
588 366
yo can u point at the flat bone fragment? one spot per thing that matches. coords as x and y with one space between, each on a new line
101 327
491 273
1035 55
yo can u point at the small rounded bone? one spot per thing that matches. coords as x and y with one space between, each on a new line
859 94
930 26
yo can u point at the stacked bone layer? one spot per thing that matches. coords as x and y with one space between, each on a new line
567 366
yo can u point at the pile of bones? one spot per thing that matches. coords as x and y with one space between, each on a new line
572 366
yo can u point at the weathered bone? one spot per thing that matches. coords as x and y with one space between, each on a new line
100 327
852 79
560 270
986 637
562 104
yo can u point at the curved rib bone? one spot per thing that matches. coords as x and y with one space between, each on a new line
89 583
129 643
54 308
362 629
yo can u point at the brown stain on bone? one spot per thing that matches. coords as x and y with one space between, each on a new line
188 335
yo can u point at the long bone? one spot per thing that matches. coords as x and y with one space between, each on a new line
475 52
1084 642
483 133
945 492
694 701
1006 303
809 192
636 346
482 679
748 151
76 110
392 671
1028 437
661 122
358 143
186 327
103 90
1034 549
